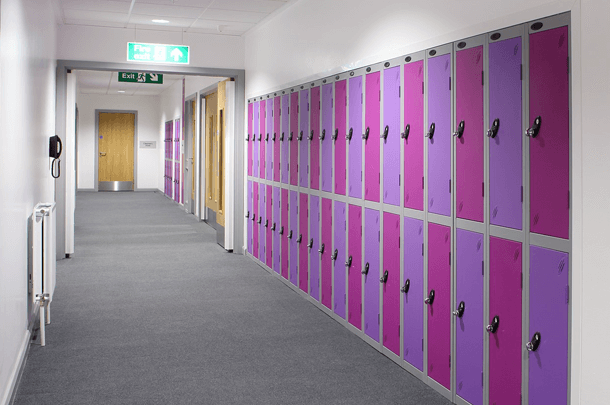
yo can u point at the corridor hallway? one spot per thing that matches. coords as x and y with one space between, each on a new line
150 310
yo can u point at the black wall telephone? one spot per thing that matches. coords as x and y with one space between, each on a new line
55 149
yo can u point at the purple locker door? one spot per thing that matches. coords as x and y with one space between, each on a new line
469 324
548 296
414 143
250 135
276 139
250 216
284 231
413 291
340 296
283 138
254 219
294 135
177 131
391 142
304 237
340 131
439 312
550 148
439 146
262 138
277 207
325 256
327 142
505 157
255 139
304 138
294 230
372 113
262 245
314 152
177 187
354 260
391 284
354 131
469 146
314 256
268 226
371 273
269 140
505 348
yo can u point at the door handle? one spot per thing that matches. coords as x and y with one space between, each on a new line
405 135
430 299
274 135
494 325
282 230
348 263
310 244
300 238
430 132
290 235
405 288
460 130
102 153
349 134
533 131
366 269
386 130
533 344
311 135
301 136
321 250
267 137
460 310
247 138
282 137
273 227
266 223
334 256
384 278
260 136
322 135
493 131
365 135
247 214
336 134
260 220
290 136
253 138
253 215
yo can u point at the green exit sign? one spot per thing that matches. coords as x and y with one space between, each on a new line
135 77
157 53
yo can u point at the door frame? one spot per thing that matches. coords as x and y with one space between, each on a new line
192 208
135 146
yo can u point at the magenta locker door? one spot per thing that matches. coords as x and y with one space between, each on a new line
339 134
275 228
314 241
327 252
548 326
469 145
327 143
371 273
293 236
391 136
438 301
250 135
262 138
550 146
303 239
268 226
294 138
340 227
276 138
254 219
469 318
413 292
505 348
177 182
391 282
249 217
314 134
505 144
284 231
177 131
354 267
414 128
353 133
372 113
255 140
269 140
262 245
439 134
304 138
283 138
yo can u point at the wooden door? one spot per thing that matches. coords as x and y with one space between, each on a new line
219 152
115 147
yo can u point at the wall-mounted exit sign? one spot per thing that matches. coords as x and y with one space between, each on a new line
157 53
135 77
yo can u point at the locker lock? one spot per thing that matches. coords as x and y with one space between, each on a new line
267 136
386 130
494 325
281 230
336 134
405 135
247 138
322 135
533 131
430 299
282 137
274 136
532 345
460 310
260 220
334 256
348 263
290 235
266 223
430 132
366 269
247 214
310 244
493 131
349 134
300 238
253 217
405 288
311 135
384 278
290 136
260 136
253 137
321 250
273 227
365 135
301 136
460 130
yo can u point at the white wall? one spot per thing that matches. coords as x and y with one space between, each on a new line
148 161
27 120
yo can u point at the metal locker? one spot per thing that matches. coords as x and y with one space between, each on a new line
283 138
302 241
249 216
314 134
390 279
391 136
303 138
275 136
414 128
468 134
505 350
293 235
549 133
262 246
413 292
438 300
439 134
254 219
314 242
255 139
338 258
268 225
326 137
370 270
354 266
505 143
275 228
262 139
549 297
468 313
353 133
372 112
269 140
326 251
177 182
284 230
293 137
248 138
339 136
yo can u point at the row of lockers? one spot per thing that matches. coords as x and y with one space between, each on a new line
348 259
173 187
443 121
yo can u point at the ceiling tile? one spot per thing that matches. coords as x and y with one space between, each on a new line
161 10
233 15
91 5
226 25
71 21
93 90
101 16
262 6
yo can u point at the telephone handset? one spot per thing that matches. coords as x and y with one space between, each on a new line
55 149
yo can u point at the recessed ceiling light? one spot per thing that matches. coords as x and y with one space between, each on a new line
160 21
120 91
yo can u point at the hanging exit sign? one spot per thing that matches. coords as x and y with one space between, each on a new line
157 53
135 77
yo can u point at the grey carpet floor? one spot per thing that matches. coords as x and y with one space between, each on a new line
150 310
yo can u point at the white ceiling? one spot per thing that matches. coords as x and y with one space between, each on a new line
96 82
225 17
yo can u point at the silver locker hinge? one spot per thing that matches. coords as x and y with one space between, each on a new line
378 321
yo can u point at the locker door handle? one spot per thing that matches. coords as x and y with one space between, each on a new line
273 227
460 310
386 130
460 130
247 138
532 345
247 214
321 250
300 238
348 263
282 137
430 132
253 215
334 256
365 135
366 269
493 131
405 288
281 230
260 136
290 136
253 138
384 278
267 137
430 299
311 135
349 134
260 220
274 136
405 135
310 244
533 131
301 136
336 134
322 135
266 223
494 325
290 235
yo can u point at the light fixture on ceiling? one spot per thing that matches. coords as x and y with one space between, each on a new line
120 91
161 21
